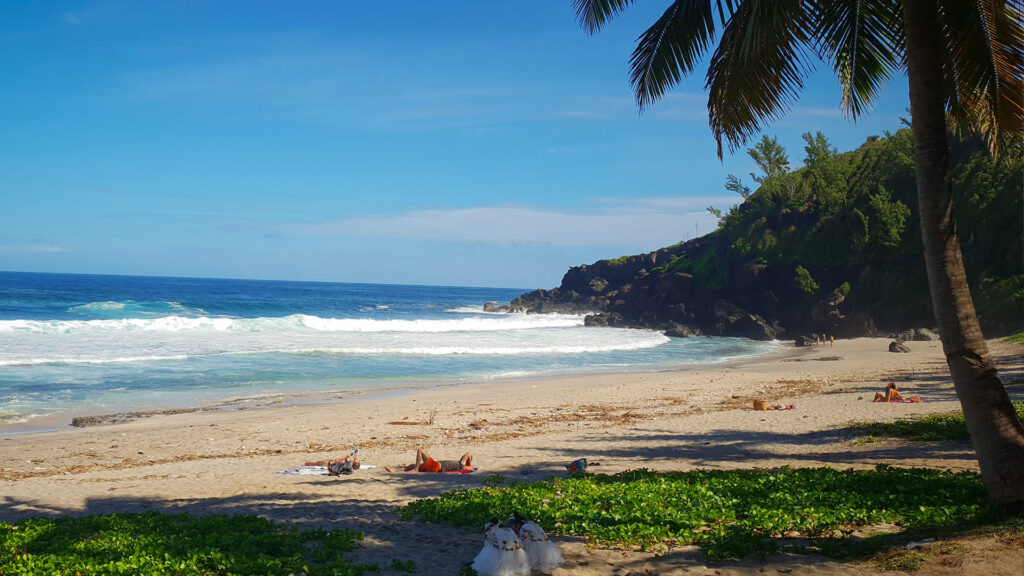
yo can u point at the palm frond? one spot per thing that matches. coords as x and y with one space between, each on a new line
670 48
984 67
593 14
863 42
758 69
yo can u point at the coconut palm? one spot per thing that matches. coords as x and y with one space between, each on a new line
963 60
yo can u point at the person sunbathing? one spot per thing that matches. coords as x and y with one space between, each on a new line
424 463
891 394
354 457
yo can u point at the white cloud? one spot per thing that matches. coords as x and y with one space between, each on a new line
643 224
72 19
29 249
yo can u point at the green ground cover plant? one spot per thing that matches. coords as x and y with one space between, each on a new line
180 544
731 513
949 426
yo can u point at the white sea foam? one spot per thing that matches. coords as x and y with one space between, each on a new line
131 308
94 360
474 310
128 340
94 306
275 324
507 322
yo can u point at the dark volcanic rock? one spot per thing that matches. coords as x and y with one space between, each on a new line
898 346
805 340
679 331
856 326
604 319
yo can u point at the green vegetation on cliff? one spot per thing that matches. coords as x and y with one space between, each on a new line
844 224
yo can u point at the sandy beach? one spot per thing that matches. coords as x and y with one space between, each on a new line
227 461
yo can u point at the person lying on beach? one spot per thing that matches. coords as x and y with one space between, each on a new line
424 463
338 465
891 394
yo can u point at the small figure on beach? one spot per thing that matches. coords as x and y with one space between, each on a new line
893 395
424 463
338 466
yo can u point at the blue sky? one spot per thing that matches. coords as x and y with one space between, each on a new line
449 143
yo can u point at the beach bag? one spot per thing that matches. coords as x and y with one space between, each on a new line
577 466
339 467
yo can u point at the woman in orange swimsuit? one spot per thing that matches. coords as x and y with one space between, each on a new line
424 463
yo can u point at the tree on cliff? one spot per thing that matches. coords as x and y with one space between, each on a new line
962 57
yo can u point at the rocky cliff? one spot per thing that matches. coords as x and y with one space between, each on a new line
833 248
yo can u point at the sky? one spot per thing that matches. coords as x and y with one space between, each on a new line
460 143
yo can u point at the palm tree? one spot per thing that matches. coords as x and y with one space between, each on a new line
963 59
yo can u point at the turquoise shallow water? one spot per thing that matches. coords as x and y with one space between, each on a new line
87 345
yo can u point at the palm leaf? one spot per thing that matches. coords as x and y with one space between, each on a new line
863 41
670 48
758 68
593 14
983 67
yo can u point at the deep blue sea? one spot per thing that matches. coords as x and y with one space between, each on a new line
78 345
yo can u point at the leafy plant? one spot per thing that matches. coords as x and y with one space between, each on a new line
804 282
1018 337
493 480
949 426
730 513
180 544
403 565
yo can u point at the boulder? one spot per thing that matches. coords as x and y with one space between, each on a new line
856 326
805 340
898 346
903 336
604 319
752 326
676 330
490 307
925 335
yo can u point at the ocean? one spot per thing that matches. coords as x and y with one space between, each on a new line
84 345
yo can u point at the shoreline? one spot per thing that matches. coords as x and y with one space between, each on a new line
58 421
228 462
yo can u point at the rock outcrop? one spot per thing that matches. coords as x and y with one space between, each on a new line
691 289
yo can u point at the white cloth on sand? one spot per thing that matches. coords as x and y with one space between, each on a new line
544 554
317 470
502 554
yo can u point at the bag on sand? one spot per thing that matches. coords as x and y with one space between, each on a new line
577 466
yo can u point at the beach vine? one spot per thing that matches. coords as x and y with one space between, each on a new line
731 513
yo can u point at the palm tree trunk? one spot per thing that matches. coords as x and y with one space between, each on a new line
995 429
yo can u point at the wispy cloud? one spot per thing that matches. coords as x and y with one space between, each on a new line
628 224
29 249
334 86
71 18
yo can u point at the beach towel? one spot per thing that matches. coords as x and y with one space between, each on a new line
316 470
461 471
